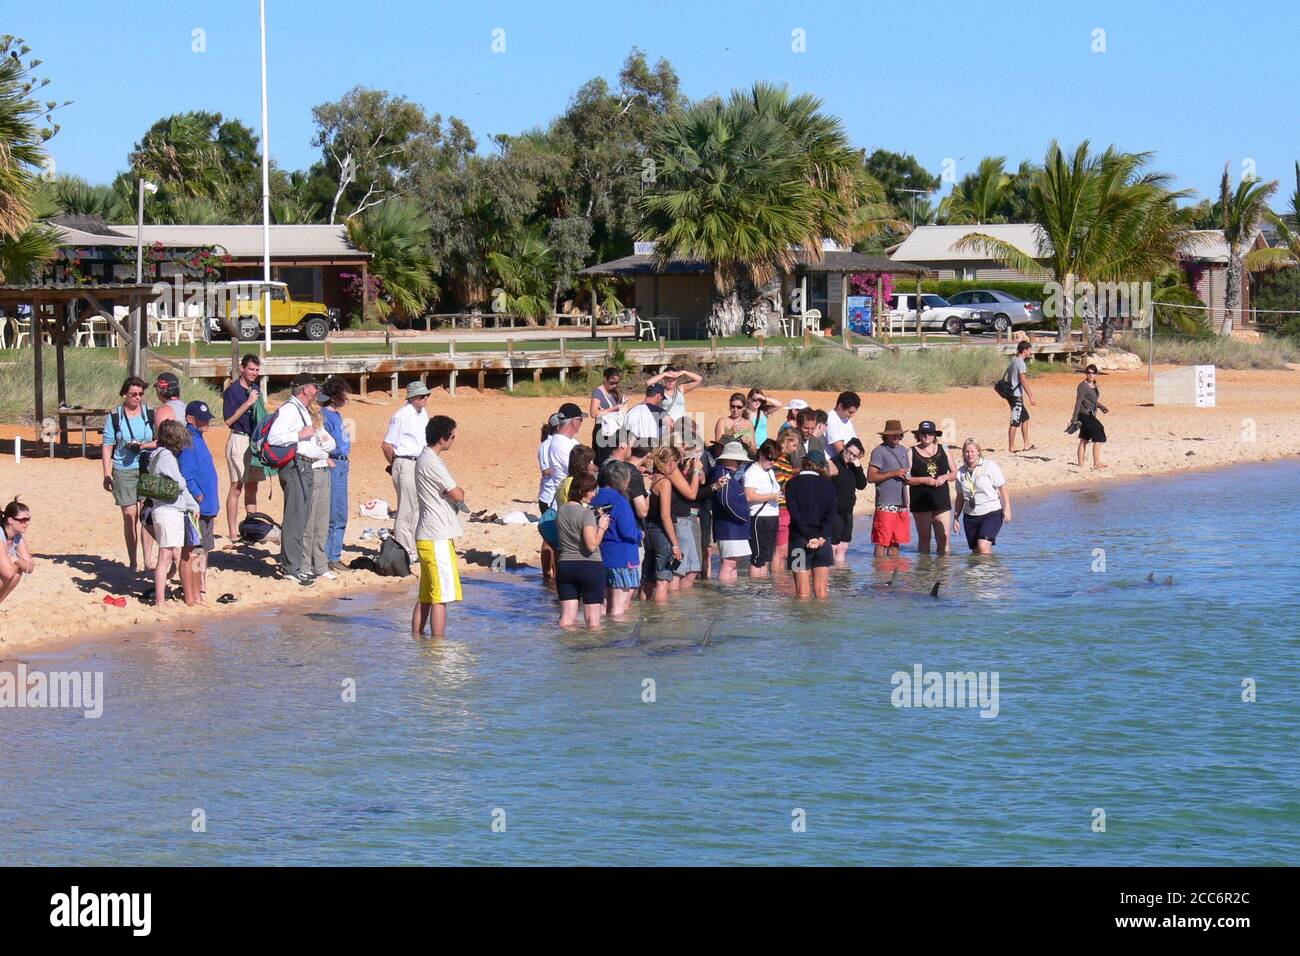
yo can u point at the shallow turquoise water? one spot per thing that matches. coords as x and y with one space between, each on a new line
1114 694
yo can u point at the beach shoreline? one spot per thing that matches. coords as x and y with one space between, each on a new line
80 556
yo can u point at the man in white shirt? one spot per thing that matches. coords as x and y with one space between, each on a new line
439 501
839 424
645 421
292 426
562 443
403 445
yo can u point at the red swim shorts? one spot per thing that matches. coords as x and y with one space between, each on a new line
783 527
890 528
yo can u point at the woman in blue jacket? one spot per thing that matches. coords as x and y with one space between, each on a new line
336 390
200 474
812 501
730 510
620 549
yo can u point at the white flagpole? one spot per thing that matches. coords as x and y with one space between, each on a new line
266 192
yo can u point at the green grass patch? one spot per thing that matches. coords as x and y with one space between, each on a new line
833 370
1220 351
93 378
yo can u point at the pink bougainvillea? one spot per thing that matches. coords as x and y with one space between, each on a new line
864 283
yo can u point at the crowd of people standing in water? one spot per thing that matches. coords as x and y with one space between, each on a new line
641 512
638 514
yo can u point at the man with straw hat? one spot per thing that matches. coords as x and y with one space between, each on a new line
404 442
887 470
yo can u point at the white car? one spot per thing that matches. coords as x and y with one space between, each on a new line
937 316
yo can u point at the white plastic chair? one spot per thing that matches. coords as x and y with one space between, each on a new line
812 321
645 329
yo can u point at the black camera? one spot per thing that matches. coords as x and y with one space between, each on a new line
133 447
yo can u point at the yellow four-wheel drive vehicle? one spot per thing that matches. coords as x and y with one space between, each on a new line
242 304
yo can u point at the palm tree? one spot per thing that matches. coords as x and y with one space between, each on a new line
978 198
1287 253
1243 211
524 276
24 256
1101 219
25 243
75 196
396 234
746 184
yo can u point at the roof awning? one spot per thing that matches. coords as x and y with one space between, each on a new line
840 262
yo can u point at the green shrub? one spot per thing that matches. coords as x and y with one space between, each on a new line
1220 351
93 378
1031 291
834 370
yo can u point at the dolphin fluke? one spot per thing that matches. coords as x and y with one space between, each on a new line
892 578
934 591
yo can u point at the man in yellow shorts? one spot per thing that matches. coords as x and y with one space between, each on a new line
437 530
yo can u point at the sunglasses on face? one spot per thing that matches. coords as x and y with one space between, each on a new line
23 520
135 394
738 406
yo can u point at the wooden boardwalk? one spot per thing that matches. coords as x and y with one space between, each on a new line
504 368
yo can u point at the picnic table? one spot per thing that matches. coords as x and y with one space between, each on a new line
76 411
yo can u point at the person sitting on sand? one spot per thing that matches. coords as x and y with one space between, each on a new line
580 570
201 478
15 553
1017 376
128 431
439 498
810 496
983 504
175 523
1086 406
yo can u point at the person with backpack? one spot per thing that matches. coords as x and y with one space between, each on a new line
201 479
1014 387
172 509
239 410
128 432
286 439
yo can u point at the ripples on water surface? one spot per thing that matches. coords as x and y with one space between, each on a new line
1114 694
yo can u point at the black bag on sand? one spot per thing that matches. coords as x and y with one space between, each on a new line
256 527
393 561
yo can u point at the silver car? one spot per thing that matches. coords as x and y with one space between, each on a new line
1005 311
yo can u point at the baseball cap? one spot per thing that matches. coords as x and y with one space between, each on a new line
303 379
795 404
655 389
569 411
198 411
168 379
815 458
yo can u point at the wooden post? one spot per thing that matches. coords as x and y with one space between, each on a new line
365 383
61 386
38 341
329 350
609 345
194 351
392 385
713 346
807 338
482 380
537 375
662 342
451 349
424 379
365 291
919 305
564 374
510 347
392 350
510 379
564 348
761 339
878 308
451 384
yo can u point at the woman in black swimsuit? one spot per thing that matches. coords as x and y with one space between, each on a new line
931 504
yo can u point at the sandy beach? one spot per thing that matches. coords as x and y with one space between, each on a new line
80 558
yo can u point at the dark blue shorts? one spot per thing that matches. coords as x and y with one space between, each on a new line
982 526
580 581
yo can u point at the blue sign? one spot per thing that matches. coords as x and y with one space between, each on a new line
860 314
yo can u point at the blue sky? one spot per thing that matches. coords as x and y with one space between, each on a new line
939 79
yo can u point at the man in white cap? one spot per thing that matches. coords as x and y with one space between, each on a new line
403 443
